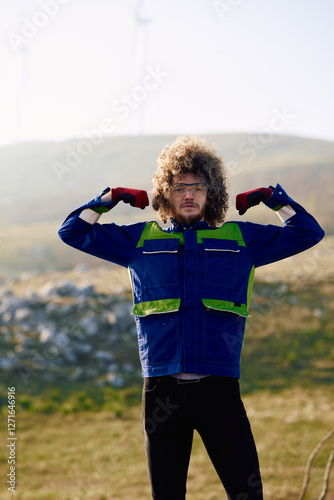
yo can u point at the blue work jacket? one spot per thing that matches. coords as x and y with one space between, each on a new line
192 284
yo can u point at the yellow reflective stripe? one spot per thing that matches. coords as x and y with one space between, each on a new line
228 231
226 306
153 231
250 285
156 307
277 208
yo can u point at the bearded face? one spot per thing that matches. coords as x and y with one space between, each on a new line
188 205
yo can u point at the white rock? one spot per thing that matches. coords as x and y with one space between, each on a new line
23 313
46 334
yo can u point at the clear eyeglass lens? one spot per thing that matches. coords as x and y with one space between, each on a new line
184 188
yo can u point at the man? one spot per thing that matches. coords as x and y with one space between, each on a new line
192 284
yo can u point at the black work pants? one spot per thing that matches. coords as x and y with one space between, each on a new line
172 409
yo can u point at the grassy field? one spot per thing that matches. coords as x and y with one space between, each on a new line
89 455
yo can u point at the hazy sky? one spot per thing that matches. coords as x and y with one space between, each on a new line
71 68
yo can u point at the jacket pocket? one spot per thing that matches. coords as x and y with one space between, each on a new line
220 262
161 262
158 332
223 332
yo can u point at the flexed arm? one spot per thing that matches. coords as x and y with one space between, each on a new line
270 243
110 197
111 242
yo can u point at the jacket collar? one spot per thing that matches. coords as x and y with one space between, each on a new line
181 228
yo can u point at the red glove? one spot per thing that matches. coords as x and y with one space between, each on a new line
251 198
136 197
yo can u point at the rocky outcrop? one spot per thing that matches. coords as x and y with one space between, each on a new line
69 332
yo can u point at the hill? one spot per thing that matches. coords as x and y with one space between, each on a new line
43 181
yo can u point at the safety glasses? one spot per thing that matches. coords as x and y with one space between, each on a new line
181 188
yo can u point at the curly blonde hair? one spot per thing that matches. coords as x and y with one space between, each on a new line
191 155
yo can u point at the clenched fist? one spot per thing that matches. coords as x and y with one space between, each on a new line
251 198
136 197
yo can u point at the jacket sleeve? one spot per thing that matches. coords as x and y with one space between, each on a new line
107 241
271 243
